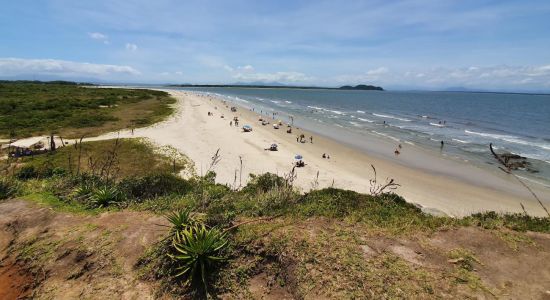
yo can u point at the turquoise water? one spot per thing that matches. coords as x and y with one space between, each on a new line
466 122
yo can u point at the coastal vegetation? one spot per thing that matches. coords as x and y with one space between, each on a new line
282 86
30 108
363 87
216 240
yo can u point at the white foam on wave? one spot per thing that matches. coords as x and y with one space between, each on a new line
436 124
391 117
355 124
366 120
361 111
509 138
386 135
288 101
461 141
316 107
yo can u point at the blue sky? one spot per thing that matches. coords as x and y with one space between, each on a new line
401 44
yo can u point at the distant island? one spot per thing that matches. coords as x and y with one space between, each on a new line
362 87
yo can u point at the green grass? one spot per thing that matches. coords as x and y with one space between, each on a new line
135 157
50 200
30 109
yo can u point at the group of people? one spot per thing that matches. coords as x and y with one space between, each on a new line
302 138
325 156
397 150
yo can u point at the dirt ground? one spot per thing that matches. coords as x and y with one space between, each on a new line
46 254
52 255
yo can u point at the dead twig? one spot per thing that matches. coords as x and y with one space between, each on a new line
508 170
377 189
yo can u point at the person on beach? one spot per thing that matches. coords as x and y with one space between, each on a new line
328 156
324 155
396 152
311 139
442 144
399 146
230 123
297 138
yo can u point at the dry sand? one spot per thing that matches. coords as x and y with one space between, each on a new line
198 135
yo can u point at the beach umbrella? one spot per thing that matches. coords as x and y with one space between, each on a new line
298 156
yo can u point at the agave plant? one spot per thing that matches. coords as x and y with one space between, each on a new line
106 195
84 190
181 219
197 250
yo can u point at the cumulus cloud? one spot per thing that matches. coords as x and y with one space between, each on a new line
18 66
99 37
284 77
378 71
502 76
131 47
246 68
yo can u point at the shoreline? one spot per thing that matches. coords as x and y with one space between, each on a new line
197 135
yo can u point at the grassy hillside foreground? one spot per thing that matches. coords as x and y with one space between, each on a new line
71 110
129 226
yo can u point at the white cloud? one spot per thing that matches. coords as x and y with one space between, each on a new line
283 77
178 73
99 37
378 71
487 77
131 47
18 66
246 68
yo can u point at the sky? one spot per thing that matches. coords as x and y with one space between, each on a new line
402 44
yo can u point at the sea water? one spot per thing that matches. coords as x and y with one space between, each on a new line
465 122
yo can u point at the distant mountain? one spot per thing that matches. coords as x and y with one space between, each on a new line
362 87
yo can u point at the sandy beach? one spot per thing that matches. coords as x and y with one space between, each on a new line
196 134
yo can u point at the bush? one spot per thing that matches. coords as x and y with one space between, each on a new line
27 172
8 187
151 186
518 222
263 183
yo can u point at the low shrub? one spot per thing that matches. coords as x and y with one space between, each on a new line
27 172
8 187
263 183
518 222
155 185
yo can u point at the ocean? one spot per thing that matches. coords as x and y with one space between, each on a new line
466 122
